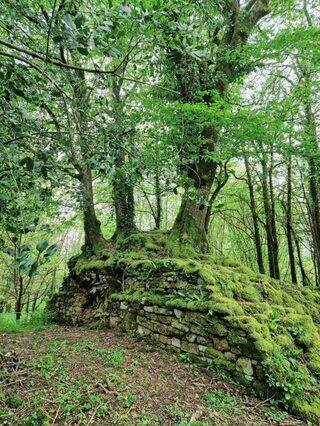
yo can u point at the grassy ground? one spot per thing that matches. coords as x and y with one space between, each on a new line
35 322
76 376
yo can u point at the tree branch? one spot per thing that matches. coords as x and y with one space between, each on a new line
53 61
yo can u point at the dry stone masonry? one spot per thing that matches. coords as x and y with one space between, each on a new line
259 331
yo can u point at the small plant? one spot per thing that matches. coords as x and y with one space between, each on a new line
126 400
274 320
115 358
286 372
184 357
219 400
276 415
37 418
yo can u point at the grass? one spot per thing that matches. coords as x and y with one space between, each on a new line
75 376
36 322
220 400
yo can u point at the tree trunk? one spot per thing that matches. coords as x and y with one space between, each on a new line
193 214
92 231
123 189
289 225
123 197
190 222
158 213
255 218
304 276
273 220
18 307
272 259
314 182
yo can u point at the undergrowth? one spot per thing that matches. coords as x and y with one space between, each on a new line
36 322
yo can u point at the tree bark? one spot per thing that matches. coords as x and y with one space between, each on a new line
314 182
123 190
192 219
272 254
273 219
289 225
255 218
158 212
123 197
92 227
18 307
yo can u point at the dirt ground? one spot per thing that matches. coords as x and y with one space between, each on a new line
77 376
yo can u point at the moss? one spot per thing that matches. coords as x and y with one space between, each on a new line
207 276
90 264
263 346
225 306
309 410
261 316
219 359
250 294
284 341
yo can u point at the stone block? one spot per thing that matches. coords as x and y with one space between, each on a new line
177 324
143 331
191 337
230 356
161 318
175 342
203 340
202 348
198 330
164 339
114 321
221 344
178 313
245 366
191 348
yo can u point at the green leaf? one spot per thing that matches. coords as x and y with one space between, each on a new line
57 39
42 245
9 251
51 250
79 20
33 269
25 264
83 51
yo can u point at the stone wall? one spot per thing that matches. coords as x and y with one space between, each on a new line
264 332
97 298
203 337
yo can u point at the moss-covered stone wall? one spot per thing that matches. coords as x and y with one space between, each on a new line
263 332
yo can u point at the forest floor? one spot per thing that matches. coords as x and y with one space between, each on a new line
77 376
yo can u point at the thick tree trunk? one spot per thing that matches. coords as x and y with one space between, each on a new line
123 189
255 219
92 227
192 219
123 197
190 222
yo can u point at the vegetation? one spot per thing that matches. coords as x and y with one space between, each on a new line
154 137
77 376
